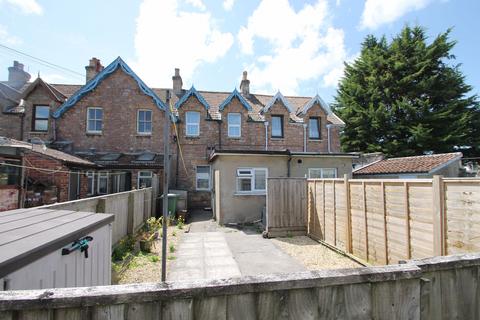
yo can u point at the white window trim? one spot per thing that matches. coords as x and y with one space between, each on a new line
144 177
239 126
88 118
149 133
209 178
317 119
254 190
91 174
321 170
102 175
197 124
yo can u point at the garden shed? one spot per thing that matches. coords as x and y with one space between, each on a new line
45 248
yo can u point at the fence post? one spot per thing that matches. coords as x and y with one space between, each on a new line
101 205
348 245
130 213
438 216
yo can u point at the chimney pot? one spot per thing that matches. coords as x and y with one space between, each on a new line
177 83
245 85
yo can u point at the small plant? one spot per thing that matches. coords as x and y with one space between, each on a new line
171 258
174 234
154 258
172 248
180 223
124 247
153 224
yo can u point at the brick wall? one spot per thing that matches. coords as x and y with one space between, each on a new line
10 125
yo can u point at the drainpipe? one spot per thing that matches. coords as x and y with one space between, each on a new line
288 163
304 137
266 135
219 135
328 135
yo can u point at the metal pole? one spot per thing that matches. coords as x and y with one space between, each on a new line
166 174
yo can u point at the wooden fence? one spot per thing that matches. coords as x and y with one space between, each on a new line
384 221
436 288
131 209
286 206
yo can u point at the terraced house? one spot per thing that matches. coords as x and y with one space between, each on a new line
115 121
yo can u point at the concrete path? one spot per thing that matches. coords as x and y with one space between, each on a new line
212 252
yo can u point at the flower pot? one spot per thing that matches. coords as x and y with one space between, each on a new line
146 245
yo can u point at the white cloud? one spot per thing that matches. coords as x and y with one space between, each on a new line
228 4
197 4
192 39
26 6
378 12
7 38
304 46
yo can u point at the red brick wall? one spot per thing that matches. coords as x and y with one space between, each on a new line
292 132
121 98
10 125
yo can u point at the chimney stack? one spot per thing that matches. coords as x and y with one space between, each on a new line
94 67
245 85
177 83
17 77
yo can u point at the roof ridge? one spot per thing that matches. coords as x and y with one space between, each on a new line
426 155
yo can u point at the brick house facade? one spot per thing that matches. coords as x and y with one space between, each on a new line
121 95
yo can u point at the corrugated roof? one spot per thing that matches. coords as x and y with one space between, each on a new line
415 164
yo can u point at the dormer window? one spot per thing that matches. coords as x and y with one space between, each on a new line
234 125
314 128
192 127
277 126
40 118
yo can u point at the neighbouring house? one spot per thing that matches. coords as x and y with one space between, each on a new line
116 121
445 164
42 175
240 177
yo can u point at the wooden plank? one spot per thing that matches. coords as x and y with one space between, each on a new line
365 220
438 215
240 307
111 312
396 300
345 302
323 211
334 216
210 308
178 309
71 313
408 243
146 310
384 213
302 304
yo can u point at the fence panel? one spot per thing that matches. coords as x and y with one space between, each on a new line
286 206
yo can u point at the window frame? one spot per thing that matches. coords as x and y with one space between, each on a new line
281 127
321 172
231 125
319 131
139 177
144 133
252 176
35 118
95 119
209 178
100 176
90 175
197 124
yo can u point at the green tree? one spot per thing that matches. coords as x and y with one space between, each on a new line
406 98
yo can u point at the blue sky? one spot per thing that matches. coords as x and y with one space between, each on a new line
297 47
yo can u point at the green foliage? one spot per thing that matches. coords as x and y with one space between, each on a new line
123 249
180 223
154 258
406 98
153 224
172 248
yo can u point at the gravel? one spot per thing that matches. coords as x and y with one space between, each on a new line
314 255
144 267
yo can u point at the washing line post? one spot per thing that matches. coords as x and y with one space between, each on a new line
166 175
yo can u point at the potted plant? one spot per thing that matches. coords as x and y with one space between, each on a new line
146 239
153 225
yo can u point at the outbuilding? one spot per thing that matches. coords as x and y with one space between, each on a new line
45 248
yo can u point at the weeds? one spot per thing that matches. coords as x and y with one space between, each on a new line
172 248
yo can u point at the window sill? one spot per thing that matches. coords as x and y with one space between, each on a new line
39 132
250 194
192 137
203 190
144 135
94 133
234 138
277 138
315 140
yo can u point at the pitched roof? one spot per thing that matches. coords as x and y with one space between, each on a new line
41 149
192 92
416 164
52 91
124 160
235 94
93 83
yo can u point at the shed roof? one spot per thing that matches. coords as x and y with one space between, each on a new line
29 234
415 164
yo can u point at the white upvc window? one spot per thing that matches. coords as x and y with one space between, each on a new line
322 173
252 180
144 122
102 183
192 123
90 183
144 179
202 178
234 125
94 120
